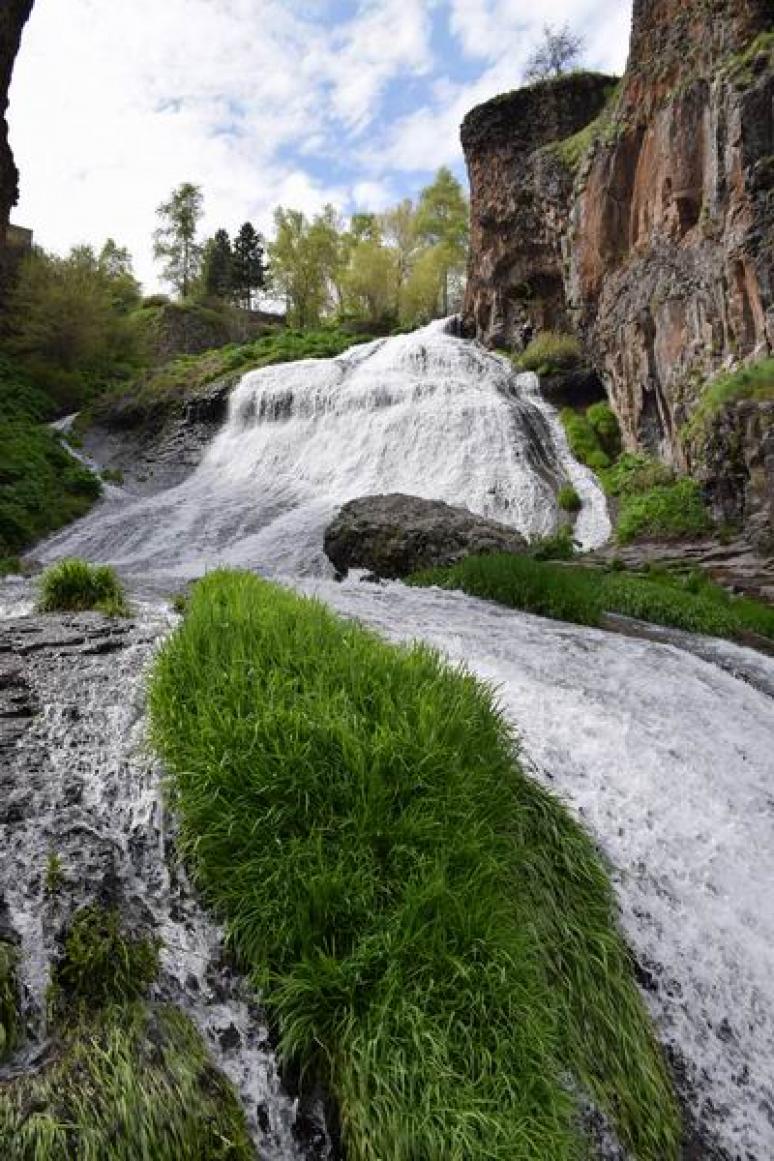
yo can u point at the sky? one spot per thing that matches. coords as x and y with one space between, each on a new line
261 102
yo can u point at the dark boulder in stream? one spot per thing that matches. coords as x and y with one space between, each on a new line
395 535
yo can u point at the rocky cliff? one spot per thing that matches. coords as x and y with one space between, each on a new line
646 226
13 17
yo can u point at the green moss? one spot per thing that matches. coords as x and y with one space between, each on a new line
72 585
549 352
433 934
755 60
134 1082
10 1024
572 150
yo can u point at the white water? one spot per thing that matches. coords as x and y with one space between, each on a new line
666 757
425 414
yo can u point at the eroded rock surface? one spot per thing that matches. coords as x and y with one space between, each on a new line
13 16
653 235
395 535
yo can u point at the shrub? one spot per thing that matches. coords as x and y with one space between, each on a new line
432 932
664 512
568 499
74 586
604 422
632 474
549 352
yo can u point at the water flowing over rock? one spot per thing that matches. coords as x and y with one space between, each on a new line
396 535
425 414
653 235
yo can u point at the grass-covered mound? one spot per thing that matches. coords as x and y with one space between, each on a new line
73 586
160 392
42 487
125 1079
434 935
754 381
550 351
578 593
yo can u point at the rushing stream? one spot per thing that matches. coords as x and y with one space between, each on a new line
667 756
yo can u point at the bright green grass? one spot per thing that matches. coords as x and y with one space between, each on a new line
158 393
568 499
581 594
133 1083
583 439
433 934
548 590
72 585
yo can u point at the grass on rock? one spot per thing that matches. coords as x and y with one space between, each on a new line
72 585
9 999
568 499
433 934
550 351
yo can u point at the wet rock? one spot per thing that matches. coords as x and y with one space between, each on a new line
395 535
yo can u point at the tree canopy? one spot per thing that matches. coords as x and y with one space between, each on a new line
558 52
175 242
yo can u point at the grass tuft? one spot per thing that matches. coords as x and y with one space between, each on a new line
72 585
101 963
754 381
549 352
133 1083
9 999
568 499
435 936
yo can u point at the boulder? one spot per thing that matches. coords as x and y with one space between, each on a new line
396 535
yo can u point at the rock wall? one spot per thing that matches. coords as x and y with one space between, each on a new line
658 217
13 17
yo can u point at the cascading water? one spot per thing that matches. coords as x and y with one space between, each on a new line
425 414
663 753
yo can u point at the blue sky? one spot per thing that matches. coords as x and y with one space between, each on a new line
261 102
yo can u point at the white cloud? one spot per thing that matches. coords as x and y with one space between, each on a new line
262 102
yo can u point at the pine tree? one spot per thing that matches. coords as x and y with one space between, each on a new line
219 270
249 266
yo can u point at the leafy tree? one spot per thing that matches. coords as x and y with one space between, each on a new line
418 302
175 239
297 270
399 231
365 228
371 281
442 223
249 267
218 267
557 53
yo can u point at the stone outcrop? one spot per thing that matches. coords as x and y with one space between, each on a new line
650 232
13 17
395 535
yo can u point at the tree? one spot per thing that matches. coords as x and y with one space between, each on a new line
249 267
557 53
218 267
297 270
418 301
399 230
370 281
175 239
442 223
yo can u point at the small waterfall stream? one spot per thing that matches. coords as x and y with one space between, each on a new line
665 756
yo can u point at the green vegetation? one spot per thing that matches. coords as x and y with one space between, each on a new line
652 501
134 1081
101 964
74 586
754 381
568 499
667 512
9 999
584 440
743 67
582 594
433 934
549 352
572 150
559 546
160 392
42 486
112 476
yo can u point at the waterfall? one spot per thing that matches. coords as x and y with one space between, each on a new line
426 414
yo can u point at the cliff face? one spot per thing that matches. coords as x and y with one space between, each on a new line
659 217
13 17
